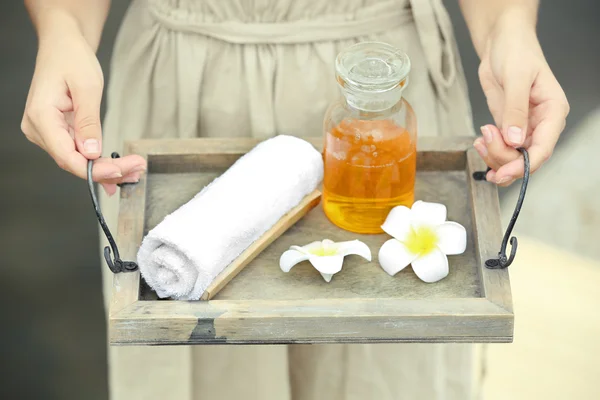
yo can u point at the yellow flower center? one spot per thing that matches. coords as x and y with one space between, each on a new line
322 251
422 240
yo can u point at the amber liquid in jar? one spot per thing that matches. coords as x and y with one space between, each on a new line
370 136
370 168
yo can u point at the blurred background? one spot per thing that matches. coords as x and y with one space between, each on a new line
52 339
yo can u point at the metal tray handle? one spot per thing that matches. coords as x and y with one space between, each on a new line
117 265
503 261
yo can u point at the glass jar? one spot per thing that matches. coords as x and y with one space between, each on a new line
370 139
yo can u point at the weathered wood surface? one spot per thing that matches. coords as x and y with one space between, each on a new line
255 249
361 304
193 155
487 228
130 232
312 321
263 279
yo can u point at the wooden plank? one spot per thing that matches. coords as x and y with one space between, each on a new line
308 203
130 232
488 234
157 147
442 154
320 320
179 155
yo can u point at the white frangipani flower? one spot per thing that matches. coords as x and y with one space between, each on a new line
423 238
326 256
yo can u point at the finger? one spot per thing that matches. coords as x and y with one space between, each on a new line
482 150
109 188
516 169
491 174
133 177
517 89
127 164
544 140
498 152
505 183
56 140
104 167
86 107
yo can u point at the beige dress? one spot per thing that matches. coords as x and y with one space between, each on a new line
222 68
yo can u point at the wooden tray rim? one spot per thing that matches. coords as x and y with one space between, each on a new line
485 319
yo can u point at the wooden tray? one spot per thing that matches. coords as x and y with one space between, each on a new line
361 304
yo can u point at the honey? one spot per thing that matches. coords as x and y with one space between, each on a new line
370 168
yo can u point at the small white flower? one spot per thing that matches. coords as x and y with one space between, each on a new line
326 256
422 238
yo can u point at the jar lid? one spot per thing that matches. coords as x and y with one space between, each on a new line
372 67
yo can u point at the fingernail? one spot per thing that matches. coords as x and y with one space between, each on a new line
491 176
504 180
487 134
480 147
515 134
114 175
109 194
139 168
131 179
91 146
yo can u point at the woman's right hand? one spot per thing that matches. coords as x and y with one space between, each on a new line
62 113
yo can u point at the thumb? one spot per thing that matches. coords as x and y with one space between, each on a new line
517 89
86 107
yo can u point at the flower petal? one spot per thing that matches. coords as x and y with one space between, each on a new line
290 258
397 223
431 267
327 277
327 264
329 244
354 247
394 256
452 238
428 213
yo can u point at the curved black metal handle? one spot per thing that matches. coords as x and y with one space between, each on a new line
117 265
503 261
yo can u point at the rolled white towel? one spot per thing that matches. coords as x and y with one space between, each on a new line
184 253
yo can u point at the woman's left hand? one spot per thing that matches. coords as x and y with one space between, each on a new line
526 101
